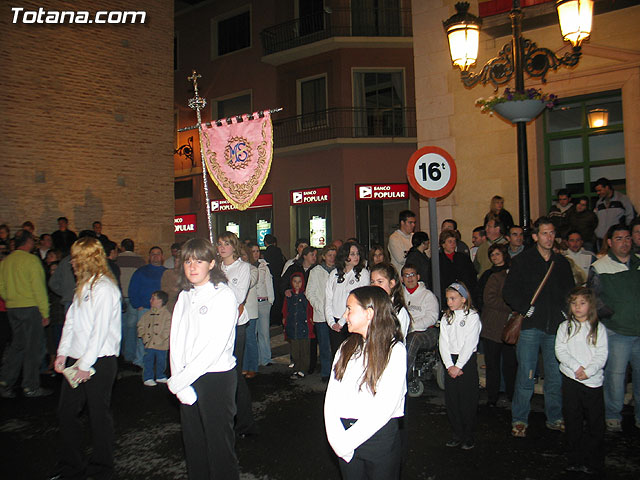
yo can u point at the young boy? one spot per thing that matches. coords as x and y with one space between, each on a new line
423 307
297 315
154 328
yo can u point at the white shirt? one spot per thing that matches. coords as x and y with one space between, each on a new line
264 288
423 307
202 337
316 292
581 258
92 328
405 322
460 338
288 263
346 399
574 352
399 245
336 294
251 305
239 280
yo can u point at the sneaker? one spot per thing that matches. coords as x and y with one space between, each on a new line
294 376
149 383
300 374
468 446
37 392
558 425
454 442
291 365
162 380
7 392
519 429
614 426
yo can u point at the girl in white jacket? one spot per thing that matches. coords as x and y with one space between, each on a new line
203 373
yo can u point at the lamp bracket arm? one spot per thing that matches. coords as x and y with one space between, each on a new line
537 61
498 70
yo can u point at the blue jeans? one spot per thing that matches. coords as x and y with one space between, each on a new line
622 350
324 345
530 342
157 357
264 335
139 346
250 362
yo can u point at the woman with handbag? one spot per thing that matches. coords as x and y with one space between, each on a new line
495 313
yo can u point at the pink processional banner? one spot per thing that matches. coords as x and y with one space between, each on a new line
238 157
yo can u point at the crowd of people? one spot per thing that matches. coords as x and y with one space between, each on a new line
199 321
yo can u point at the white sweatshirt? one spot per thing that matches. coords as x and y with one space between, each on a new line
202 337
92 328
460 338
239 280
423 307
574 352
336 294
346 399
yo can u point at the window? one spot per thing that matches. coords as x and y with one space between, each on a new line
183 189
313 102
378 103
310 16
375 18
577 153
231 33
231 106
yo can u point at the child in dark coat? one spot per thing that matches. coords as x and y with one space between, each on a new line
297 314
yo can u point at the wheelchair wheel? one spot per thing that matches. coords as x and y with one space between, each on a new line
440 373
415 388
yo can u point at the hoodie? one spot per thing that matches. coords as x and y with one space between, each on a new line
297 313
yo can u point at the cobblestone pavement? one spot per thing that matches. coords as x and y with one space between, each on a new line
292 443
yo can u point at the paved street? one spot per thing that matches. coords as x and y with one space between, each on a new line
292 443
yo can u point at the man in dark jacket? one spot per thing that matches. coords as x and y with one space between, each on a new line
275 260
540 324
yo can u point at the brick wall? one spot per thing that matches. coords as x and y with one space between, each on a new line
87 122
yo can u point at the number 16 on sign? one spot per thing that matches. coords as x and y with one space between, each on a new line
432 172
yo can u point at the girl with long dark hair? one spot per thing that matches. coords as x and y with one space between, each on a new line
365 395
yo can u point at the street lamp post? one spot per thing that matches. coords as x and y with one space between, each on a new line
516 58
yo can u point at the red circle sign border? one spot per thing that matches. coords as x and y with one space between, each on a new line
419 188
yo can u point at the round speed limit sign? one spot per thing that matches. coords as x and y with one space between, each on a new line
432 172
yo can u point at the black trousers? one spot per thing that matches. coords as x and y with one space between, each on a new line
461 398
336 338
244 416
207 428
95 394
493 353
378 458
26 350
585 443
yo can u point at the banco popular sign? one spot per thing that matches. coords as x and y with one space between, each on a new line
185 223
389 191
311 195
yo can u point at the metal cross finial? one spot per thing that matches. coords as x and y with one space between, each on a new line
196 103
194 78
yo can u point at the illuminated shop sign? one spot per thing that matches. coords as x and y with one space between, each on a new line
185 223
388 191
264 200
311 195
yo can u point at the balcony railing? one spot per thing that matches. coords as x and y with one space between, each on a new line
341 22
344 123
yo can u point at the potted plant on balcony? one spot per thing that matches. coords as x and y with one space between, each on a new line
517 106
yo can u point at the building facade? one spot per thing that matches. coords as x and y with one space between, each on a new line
342 71
564 150
87 119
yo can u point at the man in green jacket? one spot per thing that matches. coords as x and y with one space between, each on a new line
615 278
22 286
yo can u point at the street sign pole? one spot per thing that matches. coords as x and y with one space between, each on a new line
435 248
432 173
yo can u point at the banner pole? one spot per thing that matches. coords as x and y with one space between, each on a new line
197 103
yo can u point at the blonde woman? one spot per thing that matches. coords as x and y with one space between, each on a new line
90 340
